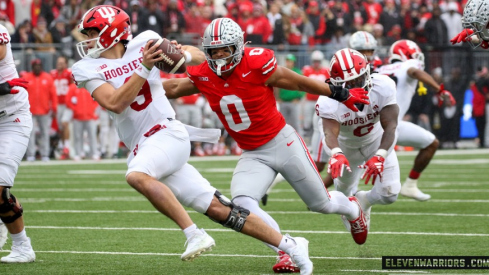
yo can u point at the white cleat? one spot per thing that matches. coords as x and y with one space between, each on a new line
22 253
414 192
362 199
199 243
299 254
3 235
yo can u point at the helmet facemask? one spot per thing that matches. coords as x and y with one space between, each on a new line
480 33
112 25
225 64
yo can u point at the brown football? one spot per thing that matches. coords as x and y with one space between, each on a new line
173 61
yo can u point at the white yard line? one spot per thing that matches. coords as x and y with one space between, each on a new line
384 271
400 200
269 212
484 151
283 230
203 255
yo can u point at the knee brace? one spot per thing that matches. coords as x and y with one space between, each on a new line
236 218
9 204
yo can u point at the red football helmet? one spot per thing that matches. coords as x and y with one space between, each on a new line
404 50
350 67
113 25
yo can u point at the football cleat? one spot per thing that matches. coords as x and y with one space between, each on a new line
362 199
199 243
285 264
3 235
199 152
358 227
65 154
299 254
410 189
22 253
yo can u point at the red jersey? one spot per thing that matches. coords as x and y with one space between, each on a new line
81 102
244 104
62 82
322 74
42 93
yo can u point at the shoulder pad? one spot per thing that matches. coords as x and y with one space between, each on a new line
84 70
261 59
326 106
383 85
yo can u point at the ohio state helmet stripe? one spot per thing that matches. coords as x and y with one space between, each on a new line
217 30
366 37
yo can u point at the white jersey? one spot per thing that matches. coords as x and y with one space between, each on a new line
17 103
151 106
363 127
406 86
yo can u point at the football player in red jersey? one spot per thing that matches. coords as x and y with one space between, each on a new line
62 80
238 83
118 71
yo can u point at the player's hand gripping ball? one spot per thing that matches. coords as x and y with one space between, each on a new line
173 60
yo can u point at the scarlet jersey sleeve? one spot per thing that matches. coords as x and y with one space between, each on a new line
261 62
261 58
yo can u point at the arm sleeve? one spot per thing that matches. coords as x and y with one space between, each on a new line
93 84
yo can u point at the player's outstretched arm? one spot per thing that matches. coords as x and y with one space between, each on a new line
117 100
197 55
194 54
178 87
424 77
442 94
287 79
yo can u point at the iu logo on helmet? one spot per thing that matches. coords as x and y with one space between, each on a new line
107 13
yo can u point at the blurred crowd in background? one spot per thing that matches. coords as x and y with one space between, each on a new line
44 34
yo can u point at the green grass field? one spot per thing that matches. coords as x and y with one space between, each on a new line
83 218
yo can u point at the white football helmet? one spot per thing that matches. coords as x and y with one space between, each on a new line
223 32
363 41
317 56
476 17
349 68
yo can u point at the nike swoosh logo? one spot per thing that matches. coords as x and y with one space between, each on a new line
245 75
288 144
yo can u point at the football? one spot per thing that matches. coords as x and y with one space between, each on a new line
173 61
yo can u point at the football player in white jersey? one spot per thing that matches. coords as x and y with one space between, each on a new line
407 68
15 130
365 139
119 73
364 43
475 21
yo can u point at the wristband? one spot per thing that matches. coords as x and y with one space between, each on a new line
382 153
146 66
188 57
336 150
142 71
